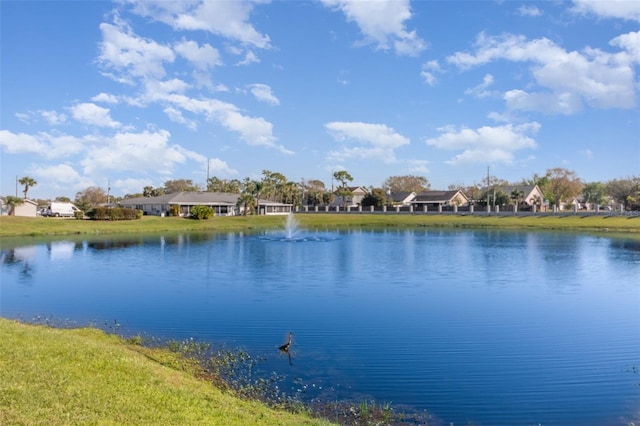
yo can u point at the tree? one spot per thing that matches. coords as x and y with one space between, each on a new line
233 186
516 196
408 183
625 191
313 190
595 193
563 185
12 202
375 197
28 182
179 185
343 177
63 199
90 197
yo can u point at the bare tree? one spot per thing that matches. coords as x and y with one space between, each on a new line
408 183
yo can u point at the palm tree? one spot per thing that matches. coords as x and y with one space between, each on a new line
28 182
12 202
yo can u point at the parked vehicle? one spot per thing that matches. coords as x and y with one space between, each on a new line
60 209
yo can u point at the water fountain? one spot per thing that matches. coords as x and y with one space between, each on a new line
291 227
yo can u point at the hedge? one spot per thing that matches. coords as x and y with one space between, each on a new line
114 213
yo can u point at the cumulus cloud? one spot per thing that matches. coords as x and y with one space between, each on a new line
221 168
375 141
620 9
571 79
382 22
105 98
202 57
61 176
228 19
94 115
43 144
133 152
263 93
132 56
486 144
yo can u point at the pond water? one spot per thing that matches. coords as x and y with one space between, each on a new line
488 327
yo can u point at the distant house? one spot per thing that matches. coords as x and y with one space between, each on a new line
28 208
355 199
402 198
222 203
434 199
4 208
531 194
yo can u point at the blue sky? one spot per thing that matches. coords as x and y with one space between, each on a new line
139 92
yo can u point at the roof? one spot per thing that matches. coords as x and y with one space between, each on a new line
186 197
508 189
437 196
400 196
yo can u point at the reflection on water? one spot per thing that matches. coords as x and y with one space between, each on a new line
488 327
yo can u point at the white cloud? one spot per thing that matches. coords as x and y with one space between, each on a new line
105 98
480 91
429 71
249 58
127 53
202 57
130 185
54 118
594 77
621 9
43 144
529 10
263 93
134 152
61 176
21 143
229 19
418 166
253 130
176 116
377 141
94 115
219 167
486 144
382 22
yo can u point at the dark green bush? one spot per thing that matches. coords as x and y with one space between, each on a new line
201 212
114 213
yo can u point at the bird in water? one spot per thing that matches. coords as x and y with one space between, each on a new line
287 345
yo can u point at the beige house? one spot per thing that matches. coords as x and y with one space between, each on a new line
531 194
222 203
402 198
28 208
435 199
355 199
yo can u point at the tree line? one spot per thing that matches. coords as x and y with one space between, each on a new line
558 185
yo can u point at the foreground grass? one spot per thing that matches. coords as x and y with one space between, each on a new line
22 226
84 376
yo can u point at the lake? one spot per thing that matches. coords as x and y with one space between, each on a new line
488 327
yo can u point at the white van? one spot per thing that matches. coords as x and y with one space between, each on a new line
60 209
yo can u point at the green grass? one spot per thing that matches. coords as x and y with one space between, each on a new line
21 226
84 376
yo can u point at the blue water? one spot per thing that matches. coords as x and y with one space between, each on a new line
488 327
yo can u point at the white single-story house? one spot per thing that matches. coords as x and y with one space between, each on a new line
222 203
435 199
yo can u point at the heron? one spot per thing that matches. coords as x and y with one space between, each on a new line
287 345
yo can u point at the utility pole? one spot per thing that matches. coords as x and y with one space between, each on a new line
487 186
108 190
206 184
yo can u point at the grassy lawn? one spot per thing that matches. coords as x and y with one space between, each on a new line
22 226
84 376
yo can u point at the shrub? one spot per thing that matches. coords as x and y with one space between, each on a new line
174 209
114 213
201 212
78 214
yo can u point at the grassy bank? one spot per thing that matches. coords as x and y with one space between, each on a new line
84 376
21 226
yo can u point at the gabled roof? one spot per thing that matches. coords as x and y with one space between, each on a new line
508 189
356 188
437 196
402 196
